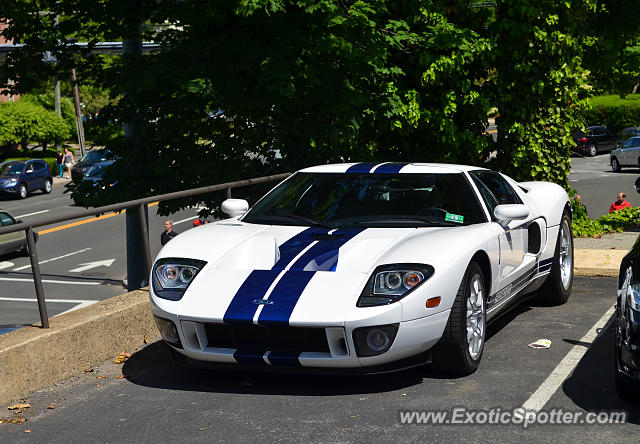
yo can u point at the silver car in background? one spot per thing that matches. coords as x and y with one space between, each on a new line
628 155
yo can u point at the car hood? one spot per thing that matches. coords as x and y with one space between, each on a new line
310 274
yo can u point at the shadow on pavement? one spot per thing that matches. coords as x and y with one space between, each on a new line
591 386
154 366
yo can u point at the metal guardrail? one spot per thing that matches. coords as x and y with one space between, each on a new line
139 203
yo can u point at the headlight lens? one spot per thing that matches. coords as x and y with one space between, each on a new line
172 276
390 283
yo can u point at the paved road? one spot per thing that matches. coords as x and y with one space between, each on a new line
160 401
599 186
63 251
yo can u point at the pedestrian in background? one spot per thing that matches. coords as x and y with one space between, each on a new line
620 203
59 161
581 205
168 232
68 161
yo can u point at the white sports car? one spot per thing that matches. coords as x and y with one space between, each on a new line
367 267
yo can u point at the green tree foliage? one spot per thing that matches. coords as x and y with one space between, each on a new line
247 87
24 122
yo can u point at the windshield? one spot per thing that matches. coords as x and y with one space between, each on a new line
95 156
380 200
11 170
96 170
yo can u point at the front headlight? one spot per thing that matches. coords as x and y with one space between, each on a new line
172 276
390 283
10 182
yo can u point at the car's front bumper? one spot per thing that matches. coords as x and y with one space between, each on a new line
11 190
413 339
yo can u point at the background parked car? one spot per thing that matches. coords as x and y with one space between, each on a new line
595 139
87 161
19 178
13 241
626 156
628 133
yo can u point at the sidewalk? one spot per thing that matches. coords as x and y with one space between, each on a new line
602 257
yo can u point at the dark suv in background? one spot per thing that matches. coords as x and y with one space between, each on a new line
87 161
19 178
595 139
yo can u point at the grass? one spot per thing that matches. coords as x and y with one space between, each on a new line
631 100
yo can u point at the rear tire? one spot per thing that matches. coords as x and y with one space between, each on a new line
47 186
557 288
615 165
592 150
626 387
460 349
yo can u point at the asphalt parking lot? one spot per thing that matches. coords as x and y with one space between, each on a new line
159 400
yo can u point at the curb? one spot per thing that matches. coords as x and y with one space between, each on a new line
32 358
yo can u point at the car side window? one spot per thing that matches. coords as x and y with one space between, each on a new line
29 168
628 143
39 166
6 220
499 187
487 196
636 142
597 131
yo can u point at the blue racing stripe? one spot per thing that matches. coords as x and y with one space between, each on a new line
249 357
361 167
242 308
390 167
284 358
323 256
285 296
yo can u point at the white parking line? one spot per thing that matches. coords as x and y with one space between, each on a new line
32 214
541 396
50 281
53 259
79 303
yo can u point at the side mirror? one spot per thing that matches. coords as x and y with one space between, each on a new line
511 212
638 185
18 221
235 207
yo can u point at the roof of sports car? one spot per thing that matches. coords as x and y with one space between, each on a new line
390 167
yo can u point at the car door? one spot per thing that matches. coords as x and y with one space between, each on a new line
513 237
609 140
624 152
30 177
598 138
632 155
11 241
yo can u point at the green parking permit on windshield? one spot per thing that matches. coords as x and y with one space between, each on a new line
454 218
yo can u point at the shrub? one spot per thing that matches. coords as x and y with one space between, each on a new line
614 112
584 226
24 122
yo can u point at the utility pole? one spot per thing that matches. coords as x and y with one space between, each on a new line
137 219
76 103
56 90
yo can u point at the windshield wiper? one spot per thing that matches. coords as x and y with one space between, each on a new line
423 221
289 218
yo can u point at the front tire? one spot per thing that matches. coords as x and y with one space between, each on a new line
22 191
557 288
592 150
615 165
460 349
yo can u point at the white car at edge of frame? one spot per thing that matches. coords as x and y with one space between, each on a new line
363 268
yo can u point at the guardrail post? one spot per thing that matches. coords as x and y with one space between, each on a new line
137 275
37 280
142 218
228 193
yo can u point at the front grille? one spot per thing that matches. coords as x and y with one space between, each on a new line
267 338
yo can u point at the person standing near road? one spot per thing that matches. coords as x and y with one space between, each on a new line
68 161
168 232
620 203
59 161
